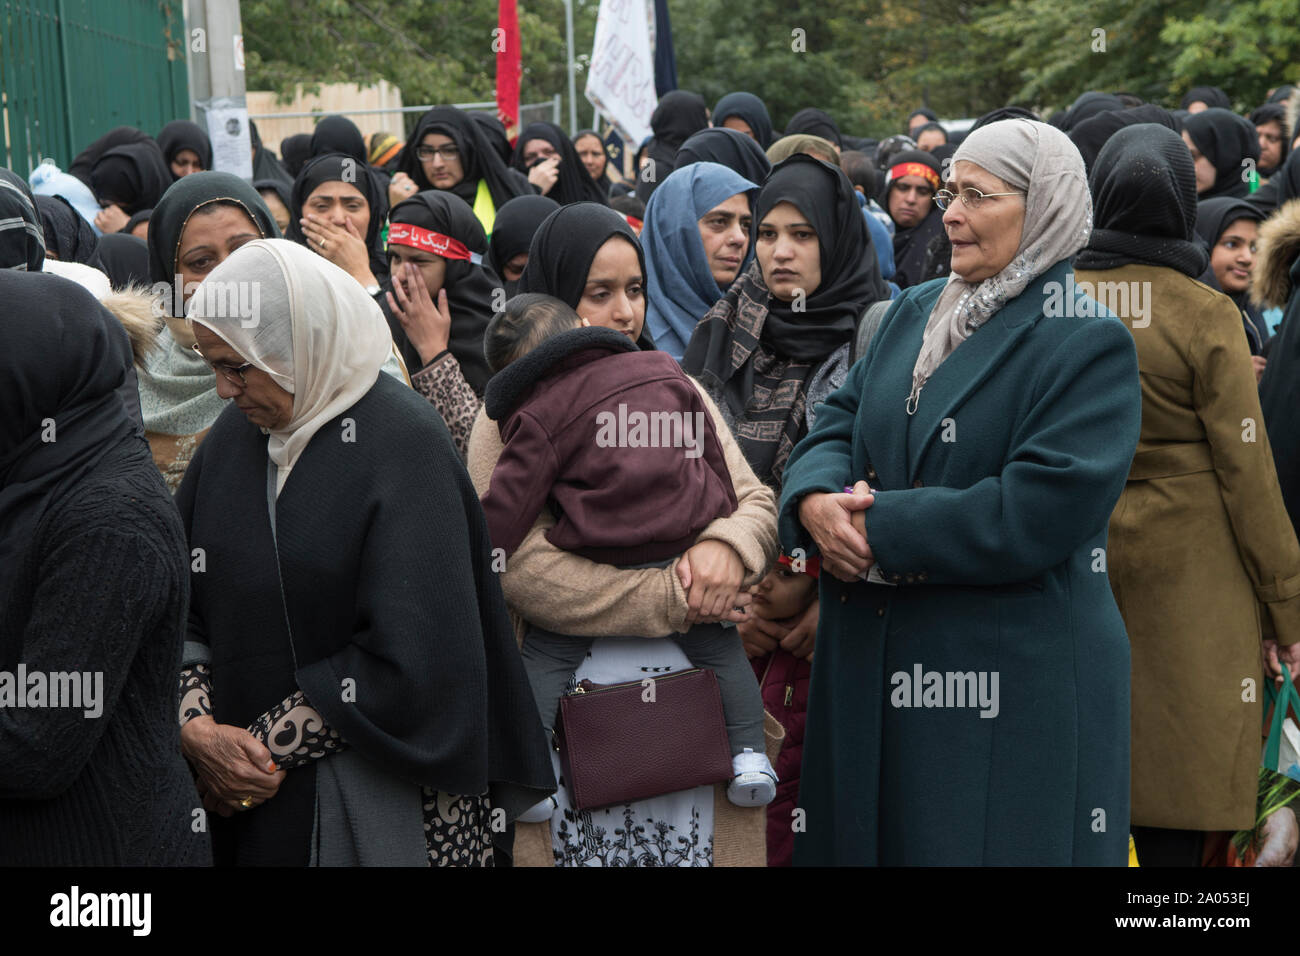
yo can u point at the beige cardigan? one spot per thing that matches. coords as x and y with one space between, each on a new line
567 593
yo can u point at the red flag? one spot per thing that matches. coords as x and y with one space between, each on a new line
505 41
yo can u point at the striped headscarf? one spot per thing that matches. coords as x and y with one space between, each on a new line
22 238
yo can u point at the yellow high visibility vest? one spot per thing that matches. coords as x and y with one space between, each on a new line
484 208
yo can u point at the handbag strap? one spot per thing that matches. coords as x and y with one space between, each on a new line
1283 701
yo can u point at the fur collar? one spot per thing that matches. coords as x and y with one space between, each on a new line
509 386
133 307
1278 249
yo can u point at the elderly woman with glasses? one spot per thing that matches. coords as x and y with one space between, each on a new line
970 692
200 221
351 689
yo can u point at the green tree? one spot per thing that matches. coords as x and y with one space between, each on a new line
1247 48
435 52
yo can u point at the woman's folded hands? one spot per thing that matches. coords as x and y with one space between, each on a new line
837 523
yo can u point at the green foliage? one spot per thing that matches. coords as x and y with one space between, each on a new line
1252 47
435 52
867 62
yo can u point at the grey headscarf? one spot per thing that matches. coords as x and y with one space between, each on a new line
1040 160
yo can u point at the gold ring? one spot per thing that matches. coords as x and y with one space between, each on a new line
246 803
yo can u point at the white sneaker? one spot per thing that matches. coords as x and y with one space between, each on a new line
754 784
539 813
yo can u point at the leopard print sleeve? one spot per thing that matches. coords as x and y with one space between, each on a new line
443 385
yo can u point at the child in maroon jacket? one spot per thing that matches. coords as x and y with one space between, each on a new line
783 596
621 445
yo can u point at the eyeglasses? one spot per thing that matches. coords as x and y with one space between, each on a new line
426 153
232 374
970 196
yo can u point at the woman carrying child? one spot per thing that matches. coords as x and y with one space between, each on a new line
588 257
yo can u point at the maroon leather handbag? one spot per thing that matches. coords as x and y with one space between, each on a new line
625 742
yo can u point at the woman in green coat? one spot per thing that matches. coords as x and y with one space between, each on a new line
970 697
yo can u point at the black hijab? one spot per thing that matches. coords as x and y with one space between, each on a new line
295 150
850 271
752 352
752 110
133 176
1213 217
337 134
1288 179
479 159
1272 113
1225 139
930 116
67 236
512 233
22 237
563 247
1092 134
574 183
912 244
337 167
603 182
1088 105
182 134
679 115
470 286
814 122
181 200
944 151
144 215
118 136
1002 113
1211 96
1143 188
729 148
278 186
265 164
495 133
62 357
124 259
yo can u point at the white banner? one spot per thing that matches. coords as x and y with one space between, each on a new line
621 81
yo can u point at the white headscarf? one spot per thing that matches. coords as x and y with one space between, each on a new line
315 331
1040 160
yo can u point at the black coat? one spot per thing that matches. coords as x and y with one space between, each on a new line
400 635
102 588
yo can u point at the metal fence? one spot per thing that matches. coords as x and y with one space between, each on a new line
71 70
528 112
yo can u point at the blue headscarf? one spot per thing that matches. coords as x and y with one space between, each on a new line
680 287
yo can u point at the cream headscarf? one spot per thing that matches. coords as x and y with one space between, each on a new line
314 331
1040 160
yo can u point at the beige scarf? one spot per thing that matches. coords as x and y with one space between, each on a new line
1040 160
315 332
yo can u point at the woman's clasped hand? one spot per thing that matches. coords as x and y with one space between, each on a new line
837 524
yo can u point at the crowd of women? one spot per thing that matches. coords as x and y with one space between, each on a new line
256 514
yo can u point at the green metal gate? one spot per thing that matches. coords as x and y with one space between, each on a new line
71 70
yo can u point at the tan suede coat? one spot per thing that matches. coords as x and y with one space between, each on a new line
566 593
1199 543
